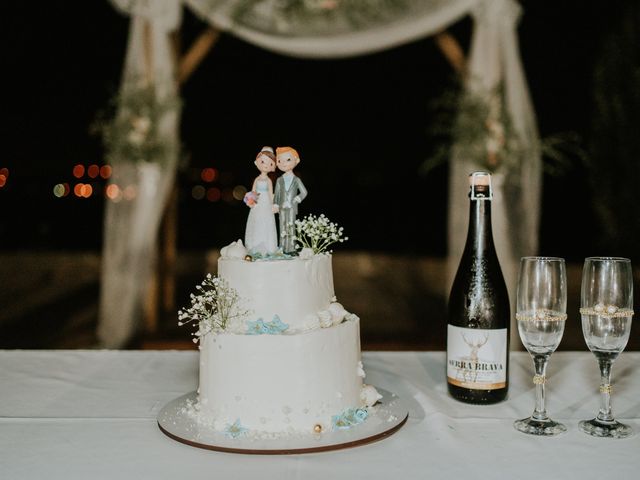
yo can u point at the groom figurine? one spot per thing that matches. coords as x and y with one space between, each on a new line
289 193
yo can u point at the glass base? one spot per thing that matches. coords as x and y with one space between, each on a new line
546 428
598 428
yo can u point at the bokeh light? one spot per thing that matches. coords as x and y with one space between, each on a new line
227 195
93 171
59 190
113 192
130 192
86 190
239 191
4 176
208 174
105 171
78 171
77 189
198 192
214 194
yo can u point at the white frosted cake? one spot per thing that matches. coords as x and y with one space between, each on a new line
278 354
290 361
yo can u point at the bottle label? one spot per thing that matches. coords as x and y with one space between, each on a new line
477 358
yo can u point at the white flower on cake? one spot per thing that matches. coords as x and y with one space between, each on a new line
234 250
317 233
215 308
369 395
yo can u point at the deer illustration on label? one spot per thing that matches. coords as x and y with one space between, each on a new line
470 371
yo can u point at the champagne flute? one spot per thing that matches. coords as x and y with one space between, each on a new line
606 310
541 313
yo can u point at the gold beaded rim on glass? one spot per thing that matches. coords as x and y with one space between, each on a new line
607 311
541 315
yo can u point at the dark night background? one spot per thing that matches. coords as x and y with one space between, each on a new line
361 126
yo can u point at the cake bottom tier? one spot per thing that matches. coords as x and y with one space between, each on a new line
280 383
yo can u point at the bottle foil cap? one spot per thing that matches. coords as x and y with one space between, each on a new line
480 183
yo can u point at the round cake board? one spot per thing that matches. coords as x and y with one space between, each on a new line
386 418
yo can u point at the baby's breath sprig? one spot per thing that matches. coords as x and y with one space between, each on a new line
318 233
213 308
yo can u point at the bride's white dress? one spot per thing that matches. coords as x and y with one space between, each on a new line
260 235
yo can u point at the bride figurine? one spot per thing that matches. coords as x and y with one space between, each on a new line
260 235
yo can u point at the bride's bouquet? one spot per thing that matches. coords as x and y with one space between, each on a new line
250 198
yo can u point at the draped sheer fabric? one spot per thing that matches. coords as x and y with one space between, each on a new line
131 224
131 227
494 59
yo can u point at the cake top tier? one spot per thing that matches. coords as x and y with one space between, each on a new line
293 295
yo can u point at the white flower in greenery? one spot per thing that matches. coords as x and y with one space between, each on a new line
136 138
141 124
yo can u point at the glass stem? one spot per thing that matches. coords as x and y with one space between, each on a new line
540 363
604 414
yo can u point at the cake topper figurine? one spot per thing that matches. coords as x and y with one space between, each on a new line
260 235
290 192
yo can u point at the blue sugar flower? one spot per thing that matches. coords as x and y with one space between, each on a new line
235 430
349 418
256 327
361 414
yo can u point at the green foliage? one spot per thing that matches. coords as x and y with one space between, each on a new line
478 125
319 16
130 130
477 122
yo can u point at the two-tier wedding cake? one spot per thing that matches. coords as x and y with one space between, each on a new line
291 362
278 353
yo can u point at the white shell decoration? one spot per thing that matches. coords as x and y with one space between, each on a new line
337 312
234 250
369 395
325 318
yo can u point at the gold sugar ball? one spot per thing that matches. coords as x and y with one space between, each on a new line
248 258
317 428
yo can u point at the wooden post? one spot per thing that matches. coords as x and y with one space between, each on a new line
196 53
453 52
164 281
169 254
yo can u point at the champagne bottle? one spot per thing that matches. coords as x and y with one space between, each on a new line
479 312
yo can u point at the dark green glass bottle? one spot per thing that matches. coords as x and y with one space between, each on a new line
479 312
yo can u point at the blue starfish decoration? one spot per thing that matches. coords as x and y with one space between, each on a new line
275 326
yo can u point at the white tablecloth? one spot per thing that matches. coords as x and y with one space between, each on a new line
91 415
